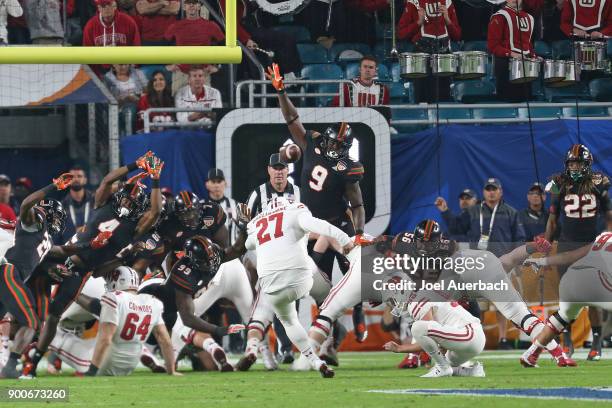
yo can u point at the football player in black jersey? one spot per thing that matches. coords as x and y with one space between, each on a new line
38 219
117 219
579 197
329 181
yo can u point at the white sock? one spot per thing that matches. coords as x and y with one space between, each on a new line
210 345
312 357
252 346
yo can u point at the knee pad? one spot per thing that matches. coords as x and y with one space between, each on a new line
258 326
419 329
529 322
557 323
322 325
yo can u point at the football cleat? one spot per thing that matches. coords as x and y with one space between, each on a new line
439 371
410 361
530 357
221 359
359 323
246 362
326 372
269 361
565 361
594 355
148 360
287 357
301 364
476 370
29 371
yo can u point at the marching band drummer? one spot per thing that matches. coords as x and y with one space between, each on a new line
430 25
587 18
509 36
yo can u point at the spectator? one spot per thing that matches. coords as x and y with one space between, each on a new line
326 21
588 19
192 30
8 8
364 90
474 19
129 7
17 27
6 214
23 188
551 21
197 95
430 25
507 40
467 199
216 184
110 27
78 204
493 225
535 216
157 16
157 95
126 83
44 19
5 193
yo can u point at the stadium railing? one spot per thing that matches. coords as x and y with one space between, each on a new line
175 124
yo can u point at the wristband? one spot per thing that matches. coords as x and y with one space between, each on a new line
155 183
282 91
47 189
132 166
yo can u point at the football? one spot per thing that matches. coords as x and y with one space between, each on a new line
290 153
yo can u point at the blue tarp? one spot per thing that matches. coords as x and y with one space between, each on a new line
187 155
464 156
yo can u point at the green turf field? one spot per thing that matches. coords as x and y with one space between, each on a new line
358 374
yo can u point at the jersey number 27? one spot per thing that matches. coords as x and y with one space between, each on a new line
263 235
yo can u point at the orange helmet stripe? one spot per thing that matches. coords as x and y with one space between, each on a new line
205 243
342 131
186 198
576 150
428 229
134 190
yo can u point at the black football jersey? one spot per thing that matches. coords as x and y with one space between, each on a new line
29 249
104 219
323 181
213 217
578 210
187 278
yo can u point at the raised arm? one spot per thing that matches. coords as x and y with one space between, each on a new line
26 213
298 133
149 218
104 189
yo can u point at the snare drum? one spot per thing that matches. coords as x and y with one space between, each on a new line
554 71
444 64
414 65
524 70
472 64
591 55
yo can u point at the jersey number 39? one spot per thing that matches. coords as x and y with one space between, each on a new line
263 235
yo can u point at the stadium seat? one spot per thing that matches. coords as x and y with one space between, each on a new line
312 53
588 111
540 112
561 49
323 101
322 71
383 73
567 93
400 93
382 50
609 47
301 33
542 49
490 113
336 49
455 46
475 46
473 91
537 90
395 72
351 70
601 89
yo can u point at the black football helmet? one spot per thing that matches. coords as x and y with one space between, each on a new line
580 154
429 241
337 141
188 210
203 254
51 213
130 201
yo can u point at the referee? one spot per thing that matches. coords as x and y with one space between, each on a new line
216 184
278 185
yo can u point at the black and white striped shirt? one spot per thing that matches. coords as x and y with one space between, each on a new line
229 207
260 197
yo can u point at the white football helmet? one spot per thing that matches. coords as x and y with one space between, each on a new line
123 278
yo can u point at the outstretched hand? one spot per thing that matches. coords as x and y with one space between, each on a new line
275 77
63 181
